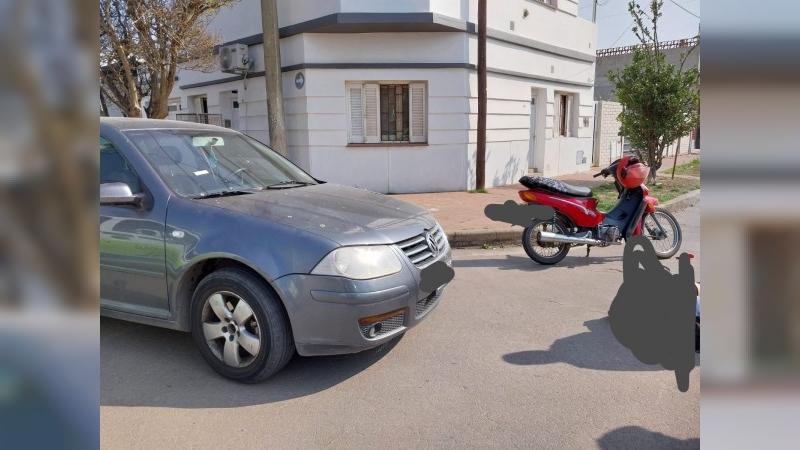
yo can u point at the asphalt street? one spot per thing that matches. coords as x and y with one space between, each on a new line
516 355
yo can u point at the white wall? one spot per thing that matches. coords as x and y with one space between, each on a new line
508 130
291 12
315 115
512 57
439 47
560 27
543 23
241 19
252 111
317 124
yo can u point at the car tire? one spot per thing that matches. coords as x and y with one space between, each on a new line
240 326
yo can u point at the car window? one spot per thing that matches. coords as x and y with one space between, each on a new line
114 168
199 163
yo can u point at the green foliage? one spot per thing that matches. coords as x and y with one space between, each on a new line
660 101
690 168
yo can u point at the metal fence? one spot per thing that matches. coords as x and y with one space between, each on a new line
211 119
678 43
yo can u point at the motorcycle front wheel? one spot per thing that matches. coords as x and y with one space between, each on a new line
546 253
663 230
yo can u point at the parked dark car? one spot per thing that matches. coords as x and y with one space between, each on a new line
204 229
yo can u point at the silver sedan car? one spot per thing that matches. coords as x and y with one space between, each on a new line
205 230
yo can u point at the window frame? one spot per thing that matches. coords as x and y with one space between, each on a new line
550 3
564 115
142 188
363 112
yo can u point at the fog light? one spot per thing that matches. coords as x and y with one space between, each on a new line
374 330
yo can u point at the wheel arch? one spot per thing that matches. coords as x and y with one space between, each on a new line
191 277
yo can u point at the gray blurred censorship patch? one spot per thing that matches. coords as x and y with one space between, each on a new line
435 275
653 313
516 214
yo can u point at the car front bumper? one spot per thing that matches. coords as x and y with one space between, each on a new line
333 315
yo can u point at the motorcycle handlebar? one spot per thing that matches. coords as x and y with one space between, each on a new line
605 173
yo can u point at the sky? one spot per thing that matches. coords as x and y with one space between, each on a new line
614 22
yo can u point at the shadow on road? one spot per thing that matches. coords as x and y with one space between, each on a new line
596 349
142 365
638 437
512 262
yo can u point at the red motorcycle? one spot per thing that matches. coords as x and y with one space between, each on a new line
577 221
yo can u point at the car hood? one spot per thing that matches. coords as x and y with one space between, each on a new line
346 215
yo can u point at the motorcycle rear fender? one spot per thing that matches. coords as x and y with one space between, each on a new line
581 211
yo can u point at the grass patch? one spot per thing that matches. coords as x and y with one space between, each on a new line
690 168
478 191
665 190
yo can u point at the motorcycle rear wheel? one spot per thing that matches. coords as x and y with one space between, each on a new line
546 253
666 244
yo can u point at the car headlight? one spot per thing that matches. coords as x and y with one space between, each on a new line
359 263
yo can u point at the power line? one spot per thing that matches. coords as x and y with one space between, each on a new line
681 7
628 28
626 13
611 46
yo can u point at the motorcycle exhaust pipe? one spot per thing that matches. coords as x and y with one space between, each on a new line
544 236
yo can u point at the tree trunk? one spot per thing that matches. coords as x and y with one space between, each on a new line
103 105
132 110
652 161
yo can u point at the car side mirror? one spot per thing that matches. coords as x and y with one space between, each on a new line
119 194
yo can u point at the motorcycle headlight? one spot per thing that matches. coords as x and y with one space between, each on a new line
359 263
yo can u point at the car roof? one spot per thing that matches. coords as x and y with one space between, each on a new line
133 123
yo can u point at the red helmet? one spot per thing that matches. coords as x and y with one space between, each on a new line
633 175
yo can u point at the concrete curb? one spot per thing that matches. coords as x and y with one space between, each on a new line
513 234
682 202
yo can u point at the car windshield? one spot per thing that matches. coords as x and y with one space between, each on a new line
201 163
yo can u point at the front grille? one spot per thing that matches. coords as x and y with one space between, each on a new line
425 305
383 327
417 249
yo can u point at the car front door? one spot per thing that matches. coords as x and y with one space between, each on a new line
132 253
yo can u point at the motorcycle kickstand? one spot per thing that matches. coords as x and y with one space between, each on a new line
588 248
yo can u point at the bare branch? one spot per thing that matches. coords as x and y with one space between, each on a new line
144 41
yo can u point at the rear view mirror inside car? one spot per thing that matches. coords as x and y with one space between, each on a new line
207 141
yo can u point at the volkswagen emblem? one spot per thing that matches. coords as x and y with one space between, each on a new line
431 241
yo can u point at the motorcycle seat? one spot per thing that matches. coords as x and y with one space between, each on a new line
555 186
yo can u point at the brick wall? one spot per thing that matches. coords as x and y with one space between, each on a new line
607 129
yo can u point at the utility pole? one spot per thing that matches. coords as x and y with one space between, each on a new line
594 11
480 160
274 79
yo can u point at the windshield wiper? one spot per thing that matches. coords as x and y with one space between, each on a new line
224 194
288 183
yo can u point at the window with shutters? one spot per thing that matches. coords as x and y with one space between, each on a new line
381 112
563 119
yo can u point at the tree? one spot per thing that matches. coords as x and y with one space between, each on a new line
142 44
660 101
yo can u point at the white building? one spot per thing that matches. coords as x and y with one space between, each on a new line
382 94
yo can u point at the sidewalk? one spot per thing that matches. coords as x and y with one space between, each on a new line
461 214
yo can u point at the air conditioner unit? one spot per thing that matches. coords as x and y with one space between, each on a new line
234 58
